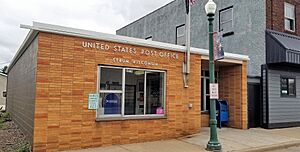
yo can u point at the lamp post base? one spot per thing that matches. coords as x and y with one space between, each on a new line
213 146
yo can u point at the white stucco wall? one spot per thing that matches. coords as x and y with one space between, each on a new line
2 88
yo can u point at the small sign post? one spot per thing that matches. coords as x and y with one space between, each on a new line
214 91
93 101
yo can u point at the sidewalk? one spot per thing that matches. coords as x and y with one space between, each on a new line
256 139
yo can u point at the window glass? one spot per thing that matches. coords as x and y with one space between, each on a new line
134 92
226 15
284 86
288 87
289 14
180 35
226 20
143 92
227 27
292 89
289 10
205 94
180 30
110 79
154 92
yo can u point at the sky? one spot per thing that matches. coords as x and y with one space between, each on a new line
97 15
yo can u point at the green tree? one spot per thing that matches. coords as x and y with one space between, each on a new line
3 70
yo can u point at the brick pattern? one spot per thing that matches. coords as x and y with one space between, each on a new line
233 88
67 73
204 120
275 15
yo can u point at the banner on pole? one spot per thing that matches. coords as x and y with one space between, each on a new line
218 46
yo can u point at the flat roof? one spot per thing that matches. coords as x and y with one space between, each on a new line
56 29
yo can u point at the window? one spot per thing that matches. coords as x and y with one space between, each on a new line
149 38
131 92
226 20
180 35
289 17
288 87
205 94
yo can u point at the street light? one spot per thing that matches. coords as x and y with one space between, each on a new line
213 143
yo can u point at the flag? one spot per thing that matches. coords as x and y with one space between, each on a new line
192 2
187 5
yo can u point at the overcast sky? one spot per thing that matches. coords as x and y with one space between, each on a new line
97 15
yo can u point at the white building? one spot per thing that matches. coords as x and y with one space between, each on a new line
3 80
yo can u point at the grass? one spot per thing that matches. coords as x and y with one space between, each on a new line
4 116
23 148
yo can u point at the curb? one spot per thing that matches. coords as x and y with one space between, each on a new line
271 147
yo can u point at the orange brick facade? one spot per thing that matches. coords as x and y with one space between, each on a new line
67 73
232 88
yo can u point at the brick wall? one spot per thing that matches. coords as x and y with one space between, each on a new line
67 73
233 88
275 15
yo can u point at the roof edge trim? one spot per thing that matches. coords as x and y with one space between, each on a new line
56 29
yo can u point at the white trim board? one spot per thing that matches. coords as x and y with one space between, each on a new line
43 27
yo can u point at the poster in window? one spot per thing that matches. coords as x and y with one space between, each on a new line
112 104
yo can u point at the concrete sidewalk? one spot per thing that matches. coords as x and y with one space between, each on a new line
256 139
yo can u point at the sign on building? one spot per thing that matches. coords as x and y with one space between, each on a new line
93 101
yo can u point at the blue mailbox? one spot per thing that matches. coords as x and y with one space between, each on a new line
223 112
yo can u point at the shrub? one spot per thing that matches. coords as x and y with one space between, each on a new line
5 116
23 148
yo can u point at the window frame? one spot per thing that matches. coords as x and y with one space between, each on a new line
289 18
179 36
295 88
206 77
122 115
230 32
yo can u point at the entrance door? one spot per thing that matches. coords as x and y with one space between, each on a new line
254 112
